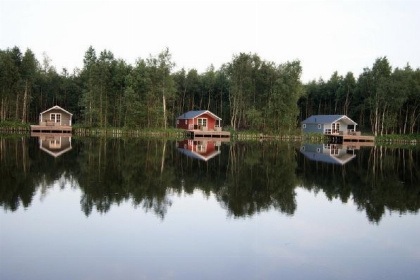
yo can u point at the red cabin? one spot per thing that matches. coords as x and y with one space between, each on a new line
199 120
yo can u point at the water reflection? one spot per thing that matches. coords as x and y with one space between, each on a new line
202 150
329 153
54 145
246 178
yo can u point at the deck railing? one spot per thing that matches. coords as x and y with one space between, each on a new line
348 132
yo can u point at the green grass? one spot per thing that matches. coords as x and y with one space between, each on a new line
399 137
13 124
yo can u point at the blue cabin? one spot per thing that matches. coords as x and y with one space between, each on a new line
329 124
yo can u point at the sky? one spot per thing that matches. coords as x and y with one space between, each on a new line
325 36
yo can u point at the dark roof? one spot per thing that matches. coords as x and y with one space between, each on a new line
194 114
328 119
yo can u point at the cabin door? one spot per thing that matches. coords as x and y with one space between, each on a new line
335 127
202 122
56 117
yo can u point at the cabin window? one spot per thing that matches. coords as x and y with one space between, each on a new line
177 121
319 126
202 122
334 150
201 147
304 125
186 121
55 117
55 144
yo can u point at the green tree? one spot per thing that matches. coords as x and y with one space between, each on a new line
9 78
28 70
378 102
162 81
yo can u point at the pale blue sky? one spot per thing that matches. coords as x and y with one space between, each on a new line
324 35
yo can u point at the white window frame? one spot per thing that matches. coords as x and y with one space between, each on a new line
304 126
202 121
201 147
55 115
319 126
55 143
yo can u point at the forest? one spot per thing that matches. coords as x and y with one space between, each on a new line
248 93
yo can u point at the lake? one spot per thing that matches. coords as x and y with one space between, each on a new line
97 208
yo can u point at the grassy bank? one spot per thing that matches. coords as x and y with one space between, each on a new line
125 132
11 127
14 127
412 139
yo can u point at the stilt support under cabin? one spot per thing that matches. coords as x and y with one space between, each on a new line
340 139
51 129
208 135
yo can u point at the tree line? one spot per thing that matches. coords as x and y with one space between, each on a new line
247 93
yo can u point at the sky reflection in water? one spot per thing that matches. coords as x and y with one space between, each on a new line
52 239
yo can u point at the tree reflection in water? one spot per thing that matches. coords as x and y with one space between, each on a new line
246 178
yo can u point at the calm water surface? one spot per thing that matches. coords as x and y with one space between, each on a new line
92 208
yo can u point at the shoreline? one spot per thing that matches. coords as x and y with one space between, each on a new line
235 136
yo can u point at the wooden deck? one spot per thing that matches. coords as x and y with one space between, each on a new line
208 135
357 145
50 134
338 138
51 129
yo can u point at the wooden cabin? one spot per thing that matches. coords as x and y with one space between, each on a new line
199 120
201 124
329 124
339 128
55 119
201 150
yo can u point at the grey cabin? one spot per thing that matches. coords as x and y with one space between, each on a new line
329 124
53 120
55 116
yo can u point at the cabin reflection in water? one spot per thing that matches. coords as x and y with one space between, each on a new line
329 153
54 145
201 150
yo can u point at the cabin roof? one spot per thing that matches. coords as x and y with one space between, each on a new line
58 108
320 157
199 156
56 153
195 114
329 119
